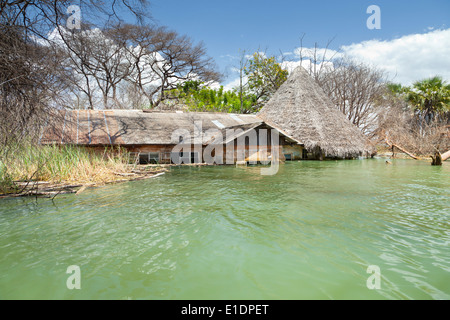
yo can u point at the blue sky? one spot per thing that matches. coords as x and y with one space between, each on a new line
226 27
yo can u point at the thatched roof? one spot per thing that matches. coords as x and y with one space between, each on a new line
299 110
303 110
135 127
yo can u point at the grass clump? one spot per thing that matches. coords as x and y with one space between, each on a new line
57 164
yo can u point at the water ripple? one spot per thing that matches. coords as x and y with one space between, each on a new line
228 233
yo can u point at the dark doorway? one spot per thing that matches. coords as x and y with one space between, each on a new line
305 154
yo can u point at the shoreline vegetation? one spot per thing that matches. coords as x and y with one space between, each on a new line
49 171
103 64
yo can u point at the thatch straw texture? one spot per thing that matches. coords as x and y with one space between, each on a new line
302 109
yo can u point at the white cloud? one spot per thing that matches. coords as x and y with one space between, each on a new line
235 70
307 64
409 58
319 53
405 60
286 65
229 56
260 53
234 84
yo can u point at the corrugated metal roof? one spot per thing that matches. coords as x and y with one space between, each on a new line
236 117
218 124
134 127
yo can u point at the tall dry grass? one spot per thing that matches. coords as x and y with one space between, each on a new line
56 164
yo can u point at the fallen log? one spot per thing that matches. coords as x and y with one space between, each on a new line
124 174
445 156
81 190
52 190
405 151
45 194
392 145
33 183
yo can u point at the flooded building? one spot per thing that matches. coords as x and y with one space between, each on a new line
299 122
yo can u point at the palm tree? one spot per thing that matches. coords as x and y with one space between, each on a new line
430 99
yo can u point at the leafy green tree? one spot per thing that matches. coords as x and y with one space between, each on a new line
196 97
397 89
265 76
430 98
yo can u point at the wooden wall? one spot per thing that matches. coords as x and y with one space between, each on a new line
231 154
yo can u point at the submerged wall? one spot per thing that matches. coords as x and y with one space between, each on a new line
226 154
293 152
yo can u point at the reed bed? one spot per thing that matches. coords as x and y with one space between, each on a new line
61 164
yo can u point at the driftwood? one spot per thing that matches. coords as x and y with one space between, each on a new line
445 156
47 193
81 190
47 190
124 174
392 145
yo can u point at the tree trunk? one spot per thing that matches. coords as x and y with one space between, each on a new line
437 159
446 156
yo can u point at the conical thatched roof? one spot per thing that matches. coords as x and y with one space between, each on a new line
302 109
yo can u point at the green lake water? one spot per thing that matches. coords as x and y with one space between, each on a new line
309 232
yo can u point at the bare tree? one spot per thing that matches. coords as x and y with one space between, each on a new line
162 59
28 82
26 24
144 43
134 60
110 64
398 126
354 88
33 79
243 62
319 59
182 61
38 17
